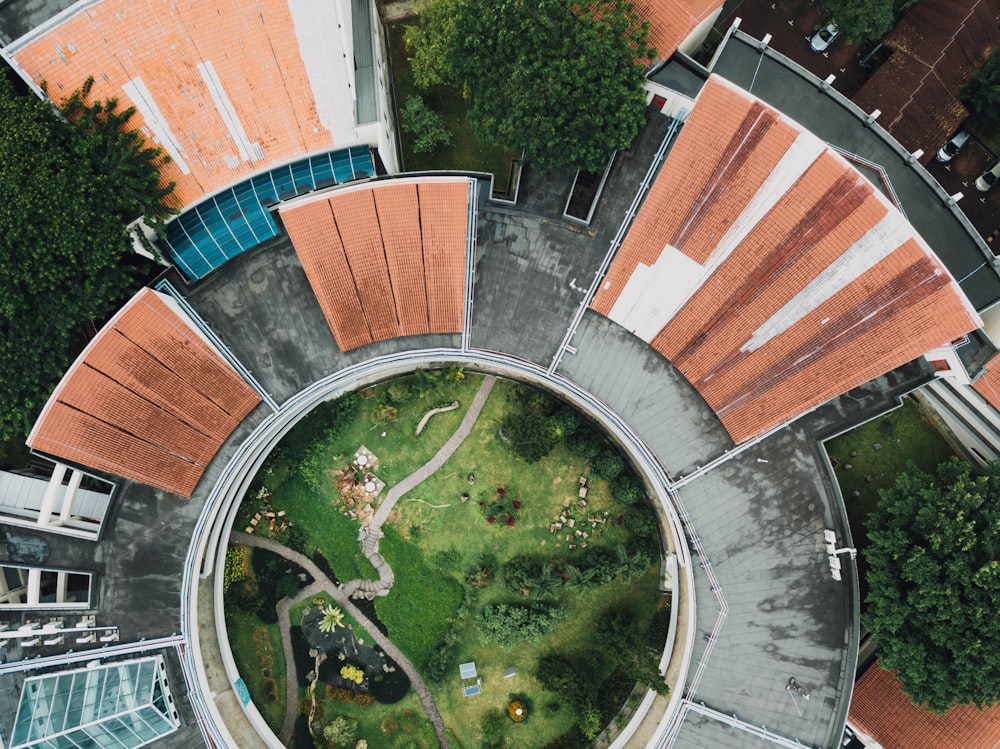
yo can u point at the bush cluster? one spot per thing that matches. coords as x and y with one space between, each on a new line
506 624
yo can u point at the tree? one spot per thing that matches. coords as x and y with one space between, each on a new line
333 617
626 490
66 196
545 584
934 584
580 580
426 125
859 20
981 93
530 437
584 442
510 59
607 465
629 564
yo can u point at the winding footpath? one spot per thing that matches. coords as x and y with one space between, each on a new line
371 535
342 595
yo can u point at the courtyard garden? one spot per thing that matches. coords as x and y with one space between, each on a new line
869 458
462 151
530 558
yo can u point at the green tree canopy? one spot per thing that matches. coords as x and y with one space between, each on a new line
562 80
934 584
981 93
859 20
66 195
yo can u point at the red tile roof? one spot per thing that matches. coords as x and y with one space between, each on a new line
988 384
385 260
148 400
252 47
881 710
672 21
820 287
937 46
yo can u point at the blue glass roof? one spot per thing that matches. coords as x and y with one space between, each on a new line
207 235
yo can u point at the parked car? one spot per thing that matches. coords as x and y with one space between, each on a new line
823 38
988 178
950 149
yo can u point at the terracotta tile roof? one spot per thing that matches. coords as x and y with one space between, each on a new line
880 709
672 21
936 48
385 260
988 384
794 293
148 400
252 49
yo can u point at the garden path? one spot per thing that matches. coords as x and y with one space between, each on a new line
370 536
342 594
324 584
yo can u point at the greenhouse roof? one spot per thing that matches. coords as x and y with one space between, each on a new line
125 704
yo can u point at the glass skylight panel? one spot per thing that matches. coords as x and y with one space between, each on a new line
124 705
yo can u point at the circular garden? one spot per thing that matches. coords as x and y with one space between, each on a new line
526 572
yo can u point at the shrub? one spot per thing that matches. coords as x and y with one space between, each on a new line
530 436
640 521
519 572
427 126
607 465
493 725
235 571
480 574
626 490
590 720
506 624
398 392
352 673
566 420
341 730
584 442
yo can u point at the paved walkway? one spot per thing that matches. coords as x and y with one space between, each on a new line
370 536
342 595
324 584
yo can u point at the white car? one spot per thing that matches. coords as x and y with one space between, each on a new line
988 178
950 149
823 38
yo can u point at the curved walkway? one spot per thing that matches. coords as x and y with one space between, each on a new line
370 536
324 584
342 595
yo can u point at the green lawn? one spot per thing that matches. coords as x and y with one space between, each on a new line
433 537
466 152
904 435
252 665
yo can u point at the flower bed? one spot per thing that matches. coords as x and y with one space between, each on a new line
501 507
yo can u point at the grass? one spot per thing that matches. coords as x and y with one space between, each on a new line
432 537
862 470
466 152
416 624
